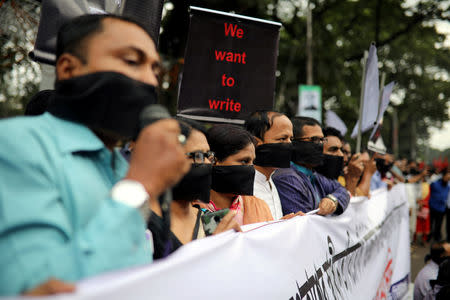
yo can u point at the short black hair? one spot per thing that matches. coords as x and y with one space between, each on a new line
258 123
73 35
299 122
331 131
436 251
226 140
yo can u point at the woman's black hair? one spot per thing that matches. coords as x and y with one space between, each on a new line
193 124
226 140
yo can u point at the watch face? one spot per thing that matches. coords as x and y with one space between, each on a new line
129 192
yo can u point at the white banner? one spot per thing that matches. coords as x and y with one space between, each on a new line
361 254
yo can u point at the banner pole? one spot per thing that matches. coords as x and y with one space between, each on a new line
361 102
380 97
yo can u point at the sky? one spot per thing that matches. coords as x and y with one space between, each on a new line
440 138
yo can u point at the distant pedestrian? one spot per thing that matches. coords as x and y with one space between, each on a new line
438 205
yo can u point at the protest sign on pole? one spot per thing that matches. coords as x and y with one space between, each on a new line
371 92
384 103
230 65
310 102
361 254
361 104
54 13
333 120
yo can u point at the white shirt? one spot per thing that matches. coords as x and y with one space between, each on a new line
265 189
422 284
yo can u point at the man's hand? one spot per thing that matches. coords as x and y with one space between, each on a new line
355 167
158 160
228 223
291 215
51 287
326 207
353 172
370 167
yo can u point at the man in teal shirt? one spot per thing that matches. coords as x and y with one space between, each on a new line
69 203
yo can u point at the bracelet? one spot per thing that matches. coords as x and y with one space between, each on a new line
333 198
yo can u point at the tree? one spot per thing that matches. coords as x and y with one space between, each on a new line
19 75
410 51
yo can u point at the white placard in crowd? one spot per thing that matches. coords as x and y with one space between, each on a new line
385 99
371 94
333 120
310 102
361 254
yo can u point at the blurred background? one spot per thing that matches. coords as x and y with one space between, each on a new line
412 37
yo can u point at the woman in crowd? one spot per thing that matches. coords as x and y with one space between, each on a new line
233 175
423 214
185 224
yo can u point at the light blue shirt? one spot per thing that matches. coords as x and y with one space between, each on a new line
56 216
376 182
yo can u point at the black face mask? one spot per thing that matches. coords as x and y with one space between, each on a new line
237 180
277 155
414 172
195 185
332 166
106 101
307 153
382 167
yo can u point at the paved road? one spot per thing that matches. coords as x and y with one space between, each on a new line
417 259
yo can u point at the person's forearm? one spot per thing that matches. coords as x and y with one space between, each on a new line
415 178
364 184
350 184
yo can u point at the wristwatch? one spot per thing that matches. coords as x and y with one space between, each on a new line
134 194
333 198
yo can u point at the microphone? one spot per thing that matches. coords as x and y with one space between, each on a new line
155 112
149 115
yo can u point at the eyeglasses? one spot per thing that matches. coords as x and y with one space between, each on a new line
199 156
314 139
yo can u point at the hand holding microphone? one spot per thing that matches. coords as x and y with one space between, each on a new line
158 161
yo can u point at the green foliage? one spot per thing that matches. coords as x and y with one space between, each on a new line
19 75
410 52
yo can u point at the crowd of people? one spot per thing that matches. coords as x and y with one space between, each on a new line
68 194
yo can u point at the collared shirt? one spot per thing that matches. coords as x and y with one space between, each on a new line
422 284
438 195
311 176
56 216
266 190
377 182
297 192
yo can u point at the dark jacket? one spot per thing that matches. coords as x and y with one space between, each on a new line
297 192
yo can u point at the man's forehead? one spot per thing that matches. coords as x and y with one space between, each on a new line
121 33
334 140
314 130
280 120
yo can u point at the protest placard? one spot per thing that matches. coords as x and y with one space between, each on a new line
310 102
230 65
